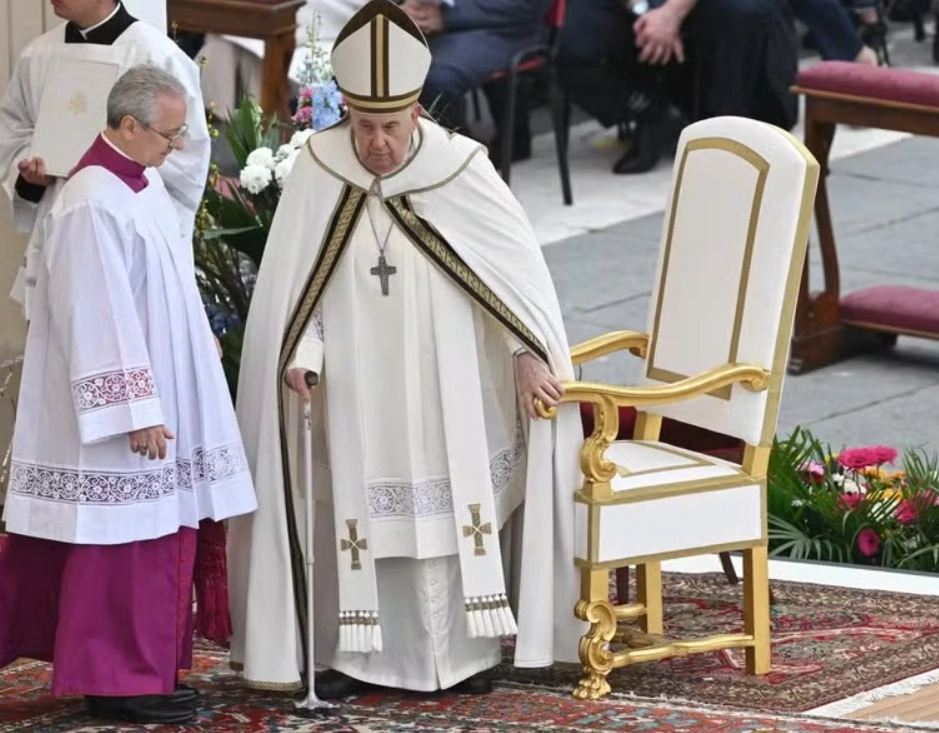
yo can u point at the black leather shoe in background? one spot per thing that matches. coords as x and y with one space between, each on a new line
142 709
184 694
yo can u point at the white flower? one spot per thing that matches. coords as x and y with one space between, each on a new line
850 486
255 178
261 157
299 138
284 152
284 167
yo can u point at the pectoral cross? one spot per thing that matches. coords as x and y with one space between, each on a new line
476 530
354 545
383 271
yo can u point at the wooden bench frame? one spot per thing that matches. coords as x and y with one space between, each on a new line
274 23
817 338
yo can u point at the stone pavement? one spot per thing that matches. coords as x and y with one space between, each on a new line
885 203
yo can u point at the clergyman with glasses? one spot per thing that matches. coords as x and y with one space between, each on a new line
125 438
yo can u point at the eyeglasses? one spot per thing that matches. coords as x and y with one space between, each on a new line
171 139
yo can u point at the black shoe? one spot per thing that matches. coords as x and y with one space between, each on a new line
475 685
333 685
644 152
184 694
141 709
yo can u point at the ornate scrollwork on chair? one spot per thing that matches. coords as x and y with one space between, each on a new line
733 248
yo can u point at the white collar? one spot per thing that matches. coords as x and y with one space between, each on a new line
89 29
114 147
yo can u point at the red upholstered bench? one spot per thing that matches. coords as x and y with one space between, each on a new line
838 92
893 309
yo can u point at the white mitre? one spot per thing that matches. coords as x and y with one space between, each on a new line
380 59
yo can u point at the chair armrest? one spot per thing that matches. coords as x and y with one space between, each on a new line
606 395
607 400
633 341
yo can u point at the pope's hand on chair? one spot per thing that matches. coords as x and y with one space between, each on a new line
535 381
297 381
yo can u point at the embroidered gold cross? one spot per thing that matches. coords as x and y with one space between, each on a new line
78 104
477 530
354 545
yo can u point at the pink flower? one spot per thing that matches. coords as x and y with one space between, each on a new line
847 502
868 542
305 95
814 470
906 512
304 116
858 458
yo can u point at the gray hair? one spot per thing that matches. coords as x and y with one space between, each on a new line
137 94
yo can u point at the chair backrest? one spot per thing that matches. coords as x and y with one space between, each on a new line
732 252
556 15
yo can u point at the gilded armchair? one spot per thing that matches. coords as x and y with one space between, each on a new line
732 252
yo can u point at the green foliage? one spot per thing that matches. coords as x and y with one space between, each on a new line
231 217
822 510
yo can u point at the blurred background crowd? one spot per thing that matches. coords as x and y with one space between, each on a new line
645 67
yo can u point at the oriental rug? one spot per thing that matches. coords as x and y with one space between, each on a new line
828 644
25 707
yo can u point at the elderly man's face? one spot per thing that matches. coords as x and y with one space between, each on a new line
83 12
150 144
382 141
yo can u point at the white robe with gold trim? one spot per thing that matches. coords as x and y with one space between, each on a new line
382 410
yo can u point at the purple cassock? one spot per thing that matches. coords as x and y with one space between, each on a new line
115 620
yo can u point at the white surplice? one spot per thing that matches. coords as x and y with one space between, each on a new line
397 369
119 341
184 172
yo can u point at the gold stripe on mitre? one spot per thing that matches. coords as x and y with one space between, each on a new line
370 79
380 106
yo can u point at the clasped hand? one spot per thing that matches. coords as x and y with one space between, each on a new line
428 16
34 172
658 36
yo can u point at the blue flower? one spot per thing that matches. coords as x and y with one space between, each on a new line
327 105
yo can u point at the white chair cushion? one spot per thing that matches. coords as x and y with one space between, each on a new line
648 464
669 502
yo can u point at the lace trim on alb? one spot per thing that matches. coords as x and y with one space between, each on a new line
119 387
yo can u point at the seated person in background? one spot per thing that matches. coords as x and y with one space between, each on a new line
469 41
833 30
625 60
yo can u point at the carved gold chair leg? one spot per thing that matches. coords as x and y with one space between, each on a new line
649 587
596 657
756 617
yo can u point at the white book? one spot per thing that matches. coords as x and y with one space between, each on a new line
72 111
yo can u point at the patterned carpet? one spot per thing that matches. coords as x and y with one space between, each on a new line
828 644
510 709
